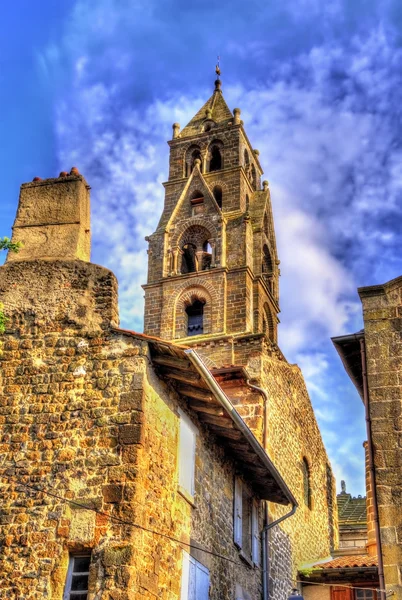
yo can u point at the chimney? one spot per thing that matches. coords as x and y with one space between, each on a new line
371 539
53 219
50 285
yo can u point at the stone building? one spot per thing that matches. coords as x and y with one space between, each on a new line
373 360
213 284
126 473
185 462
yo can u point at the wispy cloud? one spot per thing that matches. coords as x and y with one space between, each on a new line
323 109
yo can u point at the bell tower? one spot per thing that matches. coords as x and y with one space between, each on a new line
212 261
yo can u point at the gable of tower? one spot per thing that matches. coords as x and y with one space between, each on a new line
196 200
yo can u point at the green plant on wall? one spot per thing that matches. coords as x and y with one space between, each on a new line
7 244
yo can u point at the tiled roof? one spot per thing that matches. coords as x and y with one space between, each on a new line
351 511
348 562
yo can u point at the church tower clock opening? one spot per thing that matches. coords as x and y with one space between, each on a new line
213 265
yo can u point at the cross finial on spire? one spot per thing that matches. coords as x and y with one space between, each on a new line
218 67
218 72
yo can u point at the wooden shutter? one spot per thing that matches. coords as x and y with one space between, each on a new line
341 593
238 512
255 539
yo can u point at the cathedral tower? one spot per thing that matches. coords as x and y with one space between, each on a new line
213 266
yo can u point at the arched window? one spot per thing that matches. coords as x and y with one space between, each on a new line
267 267
207 256
197 253
246 158
253 177
247 202
217 191
195 318
306 483
189 259
192 154
215 163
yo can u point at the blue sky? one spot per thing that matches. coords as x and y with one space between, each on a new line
98 83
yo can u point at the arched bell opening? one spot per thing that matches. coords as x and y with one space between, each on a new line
192 154
246 158
218 195
215 154
267 267
189 259
197 250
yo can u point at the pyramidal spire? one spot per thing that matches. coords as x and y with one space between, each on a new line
215 109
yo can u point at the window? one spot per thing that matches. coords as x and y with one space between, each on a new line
306 483
197 203
246 530
364 594
77 578
187 441
216 159
217 191
194 579
195 318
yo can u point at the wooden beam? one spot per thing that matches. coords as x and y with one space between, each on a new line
186 376
197 393
206 407
231 434
224 422
171 361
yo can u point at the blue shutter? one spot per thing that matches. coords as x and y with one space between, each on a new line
195 579
255 534
238 512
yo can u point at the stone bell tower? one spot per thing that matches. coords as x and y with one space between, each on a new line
213 265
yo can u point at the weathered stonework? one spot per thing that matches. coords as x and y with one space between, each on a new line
89 444
382 313
239 291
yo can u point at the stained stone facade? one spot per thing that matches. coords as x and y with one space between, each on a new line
89 425
90 414
215 247
378 347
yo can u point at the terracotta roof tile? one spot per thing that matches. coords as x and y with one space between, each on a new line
348 562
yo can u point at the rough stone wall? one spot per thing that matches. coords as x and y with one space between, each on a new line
209 522
84 417
382 313
293 434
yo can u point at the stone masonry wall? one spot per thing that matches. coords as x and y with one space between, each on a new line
84 418
382 313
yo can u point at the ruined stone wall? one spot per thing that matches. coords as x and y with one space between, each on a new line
382 313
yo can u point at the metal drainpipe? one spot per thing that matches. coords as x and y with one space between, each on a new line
366 401
268 525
